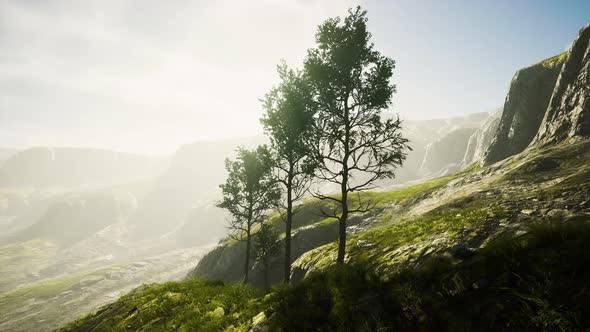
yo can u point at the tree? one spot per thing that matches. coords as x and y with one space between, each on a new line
267 246
288 122
354 146
248 193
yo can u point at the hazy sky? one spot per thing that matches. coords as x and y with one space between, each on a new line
147 76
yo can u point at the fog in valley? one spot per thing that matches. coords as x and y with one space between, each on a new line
116 119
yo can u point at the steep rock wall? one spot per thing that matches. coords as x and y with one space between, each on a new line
568 113
524 108
481 139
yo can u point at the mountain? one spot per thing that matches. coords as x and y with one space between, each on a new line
445 155
75 167
6 154
481 139
500 245
495 246
190 182
546 103
568 112
525 105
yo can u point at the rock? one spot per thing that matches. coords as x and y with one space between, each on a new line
556 214
481 283
568 113
462 251
524 108
226 262
139 264
527 212
259 323
445 155
480 140
218 312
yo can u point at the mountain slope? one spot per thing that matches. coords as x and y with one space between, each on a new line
568 113
503 246
458 244
75 167
524 108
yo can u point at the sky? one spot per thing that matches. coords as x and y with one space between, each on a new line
147 76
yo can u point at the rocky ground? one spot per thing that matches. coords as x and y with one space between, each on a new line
43 304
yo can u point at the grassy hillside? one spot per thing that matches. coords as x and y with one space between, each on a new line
504 247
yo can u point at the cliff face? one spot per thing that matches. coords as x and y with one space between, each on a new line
444 155
568 113
529 94
481 139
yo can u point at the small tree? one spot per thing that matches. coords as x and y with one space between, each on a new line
267 246
288 122
248 193
353 146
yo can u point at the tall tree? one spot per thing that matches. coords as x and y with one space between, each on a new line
288 122
354 146
267 246
249 191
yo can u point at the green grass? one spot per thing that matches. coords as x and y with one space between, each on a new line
16 259
379 247
14 299
309 211
535 282
552 61
192 305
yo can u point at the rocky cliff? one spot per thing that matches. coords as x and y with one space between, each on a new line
524 108
444 156
481 139
568 113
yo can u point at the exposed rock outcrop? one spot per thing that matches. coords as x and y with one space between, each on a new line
568 113
445 155
524 108
481 139
226 262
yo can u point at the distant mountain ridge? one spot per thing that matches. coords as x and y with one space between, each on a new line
76 167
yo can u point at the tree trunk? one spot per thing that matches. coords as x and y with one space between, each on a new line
266 268
289 221
342 229
247 261
344 188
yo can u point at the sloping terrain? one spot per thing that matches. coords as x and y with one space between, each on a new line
447 233
503 246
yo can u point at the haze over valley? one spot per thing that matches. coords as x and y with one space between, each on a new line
123 133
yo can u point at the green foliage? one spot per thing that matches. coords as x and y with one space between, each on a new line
249 191
288 121
191 305
266 243
538 281
351 82
552 61
266 246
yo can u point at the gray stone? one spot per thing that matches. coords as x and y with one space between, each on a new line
524 108
568 113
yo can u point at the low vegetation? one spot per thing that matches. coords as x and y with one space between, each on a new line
177 306
536 281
